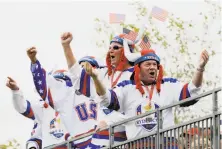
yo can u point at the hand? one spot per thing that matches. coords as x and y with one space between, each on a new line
12 84
66 38
31 52
101 125
203 59
90 70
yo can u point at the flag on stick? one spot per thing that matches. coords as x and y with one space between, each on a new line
159 13
131 35
145 44
116 18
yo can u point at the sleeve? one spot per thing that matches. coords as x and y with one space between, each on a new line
21 105
82 81
184 91
111 116
51 90
31 111
113 99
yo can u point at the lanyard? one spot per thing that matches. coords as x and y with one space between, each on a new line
148 107
117 79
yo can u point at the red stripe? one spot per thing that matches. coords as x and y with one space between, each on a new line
144 45
132 35
83 144
184 96
91 130
85 84
60 147
30 114
45 90
50 99
117 134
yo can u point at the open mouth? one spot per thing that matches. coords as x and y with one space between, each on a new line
112 57
152 73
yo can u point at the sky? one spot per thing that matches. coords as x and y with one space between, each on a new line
30 23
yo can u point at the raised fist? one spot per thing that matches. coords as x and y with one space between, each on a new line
203 59
89 69
66 38
31 52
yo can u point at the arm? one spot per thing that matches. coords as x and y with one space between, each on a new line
182 91
111 116
66 38
100 89
52 91
114 98
25 108
198 75
20 104
193 87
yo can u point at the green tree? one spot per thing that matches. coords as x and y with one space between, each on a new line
10 144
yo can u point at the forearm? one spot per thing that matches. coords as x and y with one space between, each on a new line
100 89
39 79
70 59
19 102
198 77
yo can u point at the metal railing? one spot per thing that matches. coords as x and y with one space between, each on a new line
178 136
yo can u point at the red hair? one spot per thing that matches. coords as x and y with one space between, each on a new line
108 63
137 79
159 78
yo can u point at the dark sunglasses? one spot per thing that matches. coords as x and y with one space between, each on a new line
115 47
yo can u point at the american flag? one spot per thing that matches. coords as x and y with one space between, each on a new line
131 35
159 13
145 44
116 18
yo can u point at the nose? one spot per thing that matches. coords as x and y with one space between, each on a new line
152 66
111 49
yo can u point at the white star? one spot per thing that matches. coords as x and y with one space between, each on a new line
38 74
36 66
41 91
39 82
88 147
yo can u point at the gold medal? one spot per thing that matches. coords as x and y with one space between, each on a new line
148 107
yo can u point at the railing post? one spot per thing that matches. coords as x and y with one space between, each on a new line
111 136
159 126
69 145
215 126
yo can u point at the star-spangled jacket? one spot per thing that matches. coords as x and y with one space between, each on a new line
133 103
75 109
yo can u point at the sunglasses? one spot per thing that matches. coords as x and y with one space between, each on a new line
115 47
